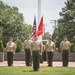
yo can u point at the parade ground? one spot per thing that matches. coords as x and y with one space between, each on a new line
22 63
19 68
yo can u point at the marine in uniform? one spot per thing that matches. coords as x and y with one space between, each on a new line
10 48
50 48
27 47
65 46
36 47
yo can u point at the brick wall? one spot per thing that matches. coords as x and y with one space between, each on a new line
57 56
17 56
1 57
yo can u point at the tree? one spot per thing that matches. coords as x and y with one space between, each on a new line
12 23
66 24
1 31
19 46
1 46
46 35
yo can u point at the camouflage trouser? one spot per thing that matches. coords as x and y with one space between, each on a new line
42 57
27 57
65 57
36 60
50 58
10 58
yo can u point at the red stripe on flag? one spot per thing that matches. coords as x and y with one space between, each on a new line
40 28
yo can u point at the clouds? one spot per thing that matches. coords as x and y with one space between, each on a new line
52 4
50 10
22 3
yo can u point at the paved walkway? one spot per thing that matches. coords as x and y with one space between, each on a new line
22 63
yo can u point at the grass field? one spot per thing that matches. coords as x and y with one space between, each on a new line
42 71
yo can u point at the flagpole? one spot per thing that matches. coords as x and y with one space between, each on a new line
39 11
39 17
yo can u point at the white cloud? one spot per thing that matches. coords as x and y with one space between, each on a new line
50 10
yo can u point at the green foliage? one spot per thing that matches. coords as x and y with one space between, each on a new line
44 42
46 35
1 31
43 71
1 46
19 46
66 24
73 47
12 23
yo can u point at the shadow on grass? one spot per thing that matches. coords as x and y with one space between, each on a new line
28 71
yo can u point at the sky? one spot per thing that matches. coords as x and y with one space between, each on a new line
49 9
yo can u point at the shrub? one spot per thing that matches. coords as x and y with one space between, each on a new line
73 47
1 46
19 46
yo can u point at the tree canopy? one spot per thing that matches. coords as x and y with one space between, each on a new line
12 23
66 23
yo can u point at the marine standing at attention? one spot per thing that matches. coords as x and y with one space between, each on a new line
50 48
36 47
27 47
10 49
65 47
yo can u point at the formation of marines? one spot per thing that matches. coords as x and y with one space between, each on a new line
34 51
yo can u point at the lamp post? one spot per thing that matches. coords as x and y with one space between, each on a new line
55 25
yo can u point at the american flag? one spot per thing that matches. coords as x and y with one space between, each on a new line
33 29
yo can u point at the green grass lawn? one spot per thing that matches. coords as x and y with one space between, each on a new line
42 71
